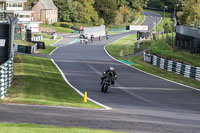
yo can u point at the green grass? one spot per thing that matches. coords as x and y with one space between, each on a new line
48 49
58 29
141 19
47 39
22 42
126 45
33 128
37 81
165 19
164 50
113 50
47 36
140 64
115 32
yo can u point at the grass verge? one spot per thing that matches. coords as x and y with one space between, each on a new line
37 81
141 19
58 29
23 42
140 64
164 50
33 128
48 49
126 44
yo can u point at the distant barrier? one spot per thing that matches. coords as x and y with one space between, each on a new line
188 31
25 49
37 38
6 76
96 31
172 66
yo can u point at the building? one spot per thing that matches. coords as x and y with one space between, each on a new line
14 7
45 11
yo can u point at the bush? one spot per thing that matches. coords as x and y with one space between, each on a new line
66 25
58 24
78 25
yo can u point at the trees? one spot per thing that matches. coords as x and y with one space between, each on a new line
107 10
81 11
66 10
167 28
96 12
87 13
191 12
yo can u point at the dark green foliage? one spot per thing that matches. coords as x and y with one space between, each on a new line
94 12
66 10
107 10
63 24
66 25
58 24
167 28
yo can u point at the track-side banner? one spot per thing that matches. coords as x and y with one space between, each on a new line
139 27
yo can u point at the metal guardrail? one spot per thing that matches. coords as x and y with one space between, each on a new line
6 76
6 69
188 31
172 66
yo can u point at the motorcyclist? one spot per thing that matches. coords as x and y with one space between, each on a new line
81 38
86 39
109 72
107 36
92 38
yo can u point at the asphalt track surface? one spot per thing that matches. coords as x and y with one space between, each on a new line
140 102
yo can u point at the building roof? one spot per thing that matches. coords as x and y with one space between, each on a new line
48 4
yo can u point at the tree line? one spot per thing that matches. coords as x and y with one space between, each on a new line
96 12
188 11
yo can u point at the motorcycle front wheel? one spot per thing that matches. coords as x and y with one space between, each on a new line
106 88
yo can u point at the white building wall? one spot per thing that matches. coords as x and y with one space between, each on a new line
14 6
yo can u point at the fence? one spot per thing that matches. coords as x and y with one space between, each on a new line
37 38
6 76
188 31
187 39
96 31
172 66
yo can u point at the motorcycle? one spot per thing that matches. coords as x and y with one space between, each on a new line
107 37
86 40
105 84
92 40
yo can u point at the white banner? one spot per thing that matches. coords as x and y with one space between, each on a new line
139 27
2 42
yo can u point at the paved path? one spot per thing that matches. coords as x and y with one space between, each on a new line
139 102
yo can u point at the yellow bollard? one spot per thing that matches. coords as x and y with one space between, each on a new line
85 97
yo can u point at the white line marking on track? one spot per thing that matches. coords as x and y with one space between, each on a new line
80 93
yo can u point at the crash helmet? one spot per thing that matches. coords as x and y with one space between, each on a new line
112 69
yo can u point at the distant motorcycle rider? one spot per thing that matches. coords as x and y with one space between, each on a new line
109 72
92 38
107 36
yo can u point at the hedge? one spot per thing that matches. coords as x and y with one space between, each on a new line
63 24
58 24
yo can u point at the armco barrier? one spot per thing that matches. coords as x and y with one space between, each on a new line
172 66
6 76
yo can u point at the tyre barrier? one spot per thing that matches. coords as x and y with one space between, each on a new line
25 49
172 66
6 76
